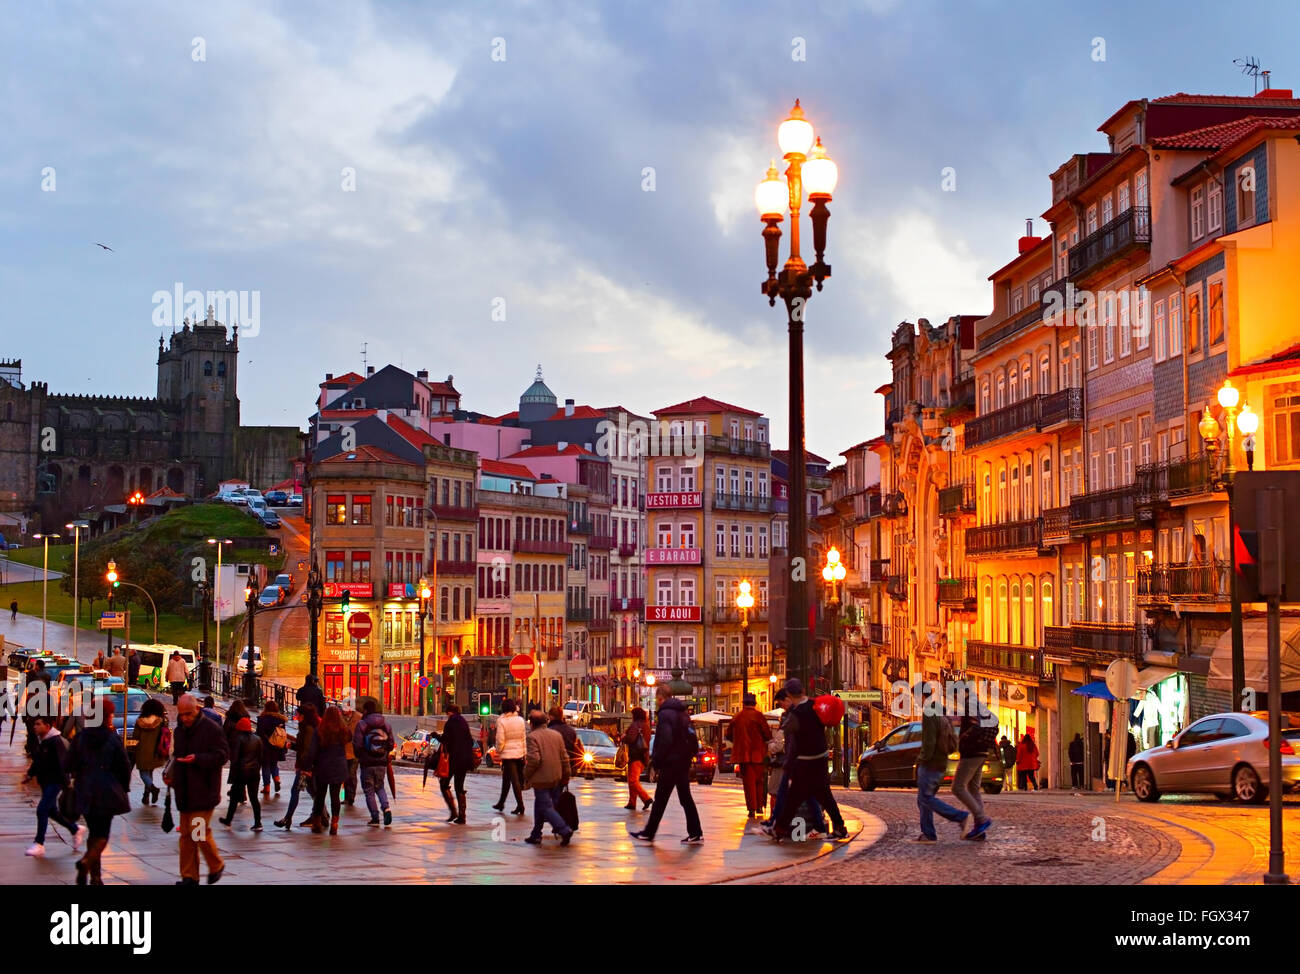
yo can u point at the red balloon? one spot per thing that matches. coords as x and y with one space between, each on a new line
829 708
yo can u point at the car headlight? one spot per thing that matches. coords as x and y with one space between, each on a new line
588 757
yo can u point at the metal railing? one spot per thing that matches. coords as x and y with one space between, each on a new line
1056 525
729 613
1210 582
742 502
533 546
1104 641
600 624
626 550
604 542
580 527
957 591
577 613
454 512
1001 659
957 499
1106 508
1010 536
456 567
633 605
736 446
1171 479
1035 413
1130 228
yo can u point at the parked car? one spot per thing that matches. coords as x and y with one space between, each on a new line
891 761
1225 755
285 581
134 699
599 752
416 746
430 747
271 596
295 500
252 493
71 683
154 659
276 498
579 712
269 518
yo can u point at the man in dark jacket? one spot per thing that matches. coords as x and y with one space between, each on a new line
674 750
1008 761
132 667
572 746
1076 761
50 766
978 736
310 693
199 751
372 742
35 700
806 755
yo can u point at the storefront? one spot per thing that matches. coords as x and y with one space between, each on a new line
1161 712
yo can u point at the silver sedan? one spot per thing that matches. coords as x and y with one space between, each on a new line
1223 754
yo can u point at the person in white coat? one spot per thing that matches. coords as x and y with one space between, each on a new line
512 748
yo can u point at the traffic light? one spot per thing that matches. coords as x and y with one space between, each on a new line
555 686
111 574
484 704
344 598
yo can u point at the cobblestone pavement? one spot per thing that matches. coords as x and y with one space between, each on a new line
1062 838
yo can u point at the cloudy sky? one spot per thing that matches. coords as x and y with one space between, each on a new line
498 153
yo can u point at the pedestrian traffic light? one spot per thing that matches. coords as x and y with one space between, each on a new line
111 574
344 598
555 686
484 704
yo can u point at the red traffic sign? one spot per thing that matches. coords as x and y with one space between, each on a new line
359 625
522 666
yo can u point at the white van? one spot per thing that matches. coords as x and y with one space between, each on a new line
156 656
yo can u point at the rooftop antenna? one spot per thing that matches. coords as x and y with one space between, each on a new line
1250 66
364 362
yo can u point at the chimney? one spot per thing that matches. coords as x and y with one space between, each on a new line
1267 92
329 376
370 370
568 407
449 379
423 375
446 439
1029 241
561 446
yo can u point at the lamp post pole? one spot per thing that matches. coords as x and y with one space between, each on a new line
834 573
250 678
1228 397
205 673
75 527
425 592
45 583
216 600
794 286
315 605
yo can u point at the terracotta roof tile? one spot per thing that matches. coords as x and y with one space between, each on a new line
500 468
703 404
1214 137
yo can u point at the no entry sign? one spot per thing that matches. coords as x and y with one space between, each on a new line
359 625
522 666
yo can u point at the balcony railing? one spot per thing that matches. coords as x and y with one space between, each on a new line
1056 525
957 500
1058 639
1209 583
736 446
1173 479
1010 327
450 567
879 568
742 502
626 652
626 550
577 613
626 605
1106 509
604 542
1003 660
1131 228
1035 413
956 591
1097 642
878 633
729 613
533 546
580 527
600 624
454 512
1012 536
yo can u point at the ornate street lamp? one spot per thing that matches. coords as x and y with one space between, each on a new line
744 602
1248 423
315 606
794 285
833 573
425 594
250 678
1228 397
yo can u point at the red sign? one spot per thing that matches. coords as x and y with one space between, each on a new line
667 499
358 590
672 556
359 625
672 613
522 666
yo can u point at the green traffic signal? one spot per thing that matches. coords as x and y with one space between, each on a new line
344 598
484 705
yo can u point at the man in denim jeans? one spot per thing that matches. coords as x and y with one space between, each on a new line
979 733
372 742
937 742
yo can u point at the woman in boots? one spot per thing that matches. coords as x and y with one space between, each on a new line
308 723
103 775
329 764
268 721
152 745
512 733
458 743
245 770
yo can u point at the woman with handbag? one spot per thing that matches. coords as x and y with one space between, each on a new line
152 745
308 724
245 768
329 762
512 735
637 741
455 760
275 739
102 773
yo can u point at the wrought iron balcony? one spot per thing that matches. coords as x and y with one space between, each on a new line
729 613
1130 229
878 633
1058 639
957 591
1104 642
1033 414
1056 525
894 505
1011 536
1103 510
998 659
454 512
600 624
1170 480
626 605
450 567
1161 584
1060 407
603 542
742 502
957 500
736 446
534 546
577 613
580 527
1011 326
626 549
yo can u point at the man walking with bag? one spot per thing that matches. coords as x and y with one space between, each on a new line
938 740
546 772
199 752
979 734
675 748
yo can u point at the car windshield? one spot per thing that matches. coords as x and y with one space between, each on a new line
595 738
134 701
572 706
271 592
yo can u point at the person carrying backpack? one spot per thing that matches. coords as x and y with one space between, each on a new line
245 772
979 735
806 755
675 748
372 741
938 740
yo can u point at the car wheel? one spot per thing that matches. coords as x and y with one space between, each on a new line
1247 786
866 778
1144 784
992 787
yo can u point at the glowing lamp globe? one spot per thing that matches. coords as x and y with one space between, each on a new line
1247 420
1229 395
772 195
795 136
820 174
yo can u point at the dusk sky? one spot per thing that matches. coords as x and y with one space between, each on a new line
518 183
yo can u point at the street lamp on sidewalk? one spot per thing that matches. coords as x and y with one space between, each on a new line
216 598
45 582
744 602
425 593
250 678
76 527
834 573
794 285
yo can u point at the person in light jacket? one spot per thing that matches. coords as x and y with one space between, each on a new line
546 772
511 751
177 674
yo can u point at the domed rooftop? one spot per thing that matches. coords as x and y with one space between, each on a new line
538 392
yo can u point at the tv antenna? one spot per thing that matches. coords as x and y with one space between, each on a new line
364 362
1250 66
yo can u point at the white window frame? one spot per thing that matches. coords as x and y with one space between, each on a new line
1214 206
1197 203
1122 196
1174 326
1125 339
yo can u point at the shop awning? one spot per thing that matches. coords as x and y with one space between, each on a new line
1254 637
1097 688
